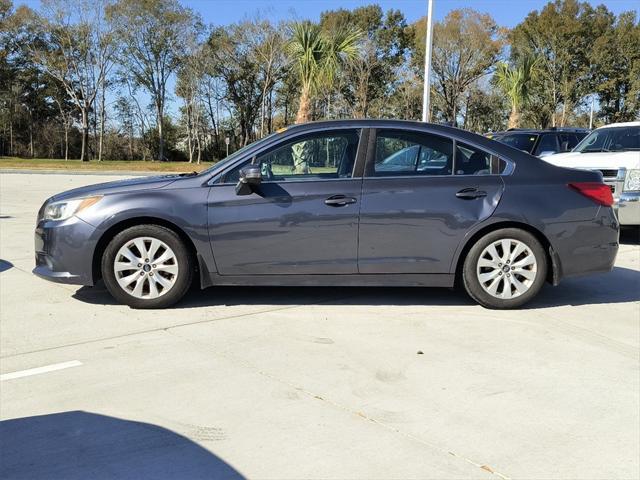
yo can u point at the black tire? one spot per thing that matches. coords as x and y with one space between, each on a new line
183 258
473 285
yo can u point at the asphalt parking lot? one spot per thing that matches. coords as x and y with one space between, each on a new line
290 383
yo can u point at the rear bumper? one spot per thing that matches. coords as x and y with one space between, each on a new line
586 247
627 207
64 251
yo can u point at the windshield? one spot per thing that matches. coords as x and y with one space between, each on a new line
615 139
521 141
236 154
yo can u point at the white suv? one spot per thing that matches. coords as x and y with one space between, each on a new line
613 150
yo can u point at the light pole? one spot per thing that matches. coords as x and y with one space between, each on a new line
426 107
593 102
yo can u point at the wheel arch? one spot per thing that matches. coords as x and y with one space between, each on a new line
554 270
122 225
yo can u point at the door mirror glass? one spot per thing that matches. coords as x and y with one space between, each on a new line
564 146
250 177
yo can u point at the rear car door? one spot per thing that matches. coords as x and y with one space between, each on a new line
413 218
302 218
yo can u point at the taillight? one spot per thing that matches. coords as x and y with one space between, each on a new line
598 192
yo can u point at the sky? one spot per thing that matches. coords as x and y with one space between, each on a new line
507 13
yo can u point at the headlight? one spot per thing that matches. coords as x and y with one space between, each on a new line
65 209
632 180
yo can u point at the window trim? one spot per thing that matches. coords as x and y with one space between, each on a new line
362 133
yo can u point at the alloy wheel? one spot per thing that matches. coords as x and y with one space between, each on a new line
146 267
507 268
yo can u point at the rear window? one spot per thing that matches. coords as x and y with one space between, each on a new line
521 141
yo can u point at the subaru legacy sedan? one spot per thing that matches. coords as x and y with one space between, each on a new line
338 203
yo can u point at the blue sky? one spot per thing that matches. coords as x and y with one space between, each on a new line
507 13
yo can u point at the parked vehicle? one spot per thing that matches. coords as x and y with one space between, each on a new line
319 204
541 142
614 151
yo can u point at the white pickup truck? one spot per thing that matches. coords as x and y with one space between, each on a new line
613 150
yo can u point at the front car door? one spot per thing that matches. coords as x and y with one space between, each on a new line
415 213
302 219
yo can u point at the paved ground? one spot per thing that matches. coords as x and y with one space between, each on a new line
313 383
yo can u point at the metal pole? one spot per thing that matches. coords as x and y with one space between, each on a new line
593 101
426 107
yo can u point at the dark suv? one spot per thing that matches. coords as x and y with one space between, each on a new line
541 142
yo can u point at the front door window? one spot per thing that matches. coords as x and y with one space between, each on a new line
319 156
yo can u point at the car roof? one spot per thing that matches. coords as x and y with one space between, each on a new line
385 123
621 124
537 131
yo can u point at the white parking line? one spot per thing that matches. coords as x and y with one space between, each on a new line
39 370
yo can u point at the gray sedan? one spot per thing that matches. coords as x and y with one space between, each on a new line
340 203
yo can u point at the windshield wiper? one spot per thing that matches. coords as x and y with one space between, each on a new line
189 174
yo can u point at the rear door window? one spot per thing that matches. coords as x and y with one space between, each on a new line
409 153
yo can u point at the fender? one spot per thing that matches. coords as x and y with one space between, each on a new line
183 209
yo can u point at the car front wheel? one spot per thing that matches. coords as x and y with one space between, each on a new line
147 266
505 269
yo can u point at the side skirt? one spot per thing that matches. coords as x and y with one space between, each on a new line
359 280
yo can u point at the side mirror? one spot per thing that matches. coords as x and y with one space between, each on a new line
564 146
250 177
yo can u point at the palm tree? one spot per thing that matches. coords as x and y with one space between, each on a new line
516 82
318 56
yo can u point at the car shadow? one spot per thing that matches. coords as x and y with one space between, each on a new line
80 445
621 285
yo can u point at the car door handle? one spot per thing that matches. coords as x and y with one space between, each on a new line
471 193
339 201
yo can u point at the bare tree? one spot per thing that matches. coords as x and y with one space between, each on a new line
78 52
466 46
152 35
268 45
189 87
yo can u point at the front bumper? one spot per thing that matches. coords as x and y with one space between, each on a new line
64 251
627 207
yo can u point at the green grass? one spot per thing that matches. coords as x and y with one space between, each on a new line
94 165
124 166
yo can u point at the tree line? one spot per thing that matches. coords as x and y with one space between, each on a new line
147 79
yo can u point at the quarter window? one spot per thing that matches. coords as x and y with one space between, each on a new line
407 153
474 161
317 156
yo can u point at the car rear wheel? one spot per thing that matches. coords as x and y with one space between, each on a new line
505 269
147 266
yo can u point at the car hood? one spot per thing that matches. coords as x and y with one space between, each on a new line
595 160
118 186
